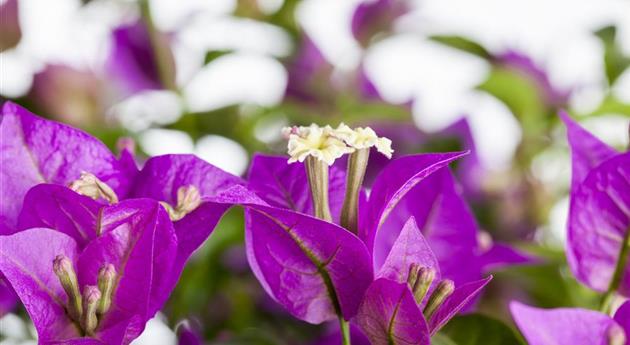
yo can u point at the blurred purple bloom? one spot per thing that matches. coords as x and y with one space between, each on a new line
10 32
187 334
522 63
500 255
569 326
53 269
307 68
409 140
72 96
599 215
373 17
311 79
133 60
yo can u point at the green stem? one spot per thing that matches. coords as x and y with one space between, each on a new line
345 331
622 261
357 164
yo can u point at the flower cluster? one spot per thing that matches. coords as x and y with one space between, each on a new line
93 246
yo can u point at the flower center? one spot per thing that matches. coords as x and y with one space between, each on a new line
188 199
90 185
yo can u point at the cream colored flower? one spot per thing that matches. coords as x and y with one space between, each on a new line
363 138
315 141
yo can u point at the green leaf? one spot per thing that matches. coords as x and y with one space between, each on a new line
477 329
464 44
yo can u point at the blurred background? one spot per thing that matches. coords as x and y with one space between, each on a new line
220 78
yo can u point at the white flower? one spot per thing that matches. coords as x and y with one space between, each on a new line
363 138
315 141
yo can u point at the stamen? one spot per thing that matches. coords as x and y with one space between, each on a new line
444 289
62 266
91 297
106 281
188 199
89 185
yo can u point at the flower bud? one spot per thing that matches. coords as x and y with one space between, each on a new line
106 282
91 298
444 289
423 282
413 274
62 266
89 185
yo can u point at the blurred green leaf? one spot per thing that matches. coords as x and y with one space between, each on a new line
212 55
441 339
477 329
614 59
518 93
611 105
464 44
